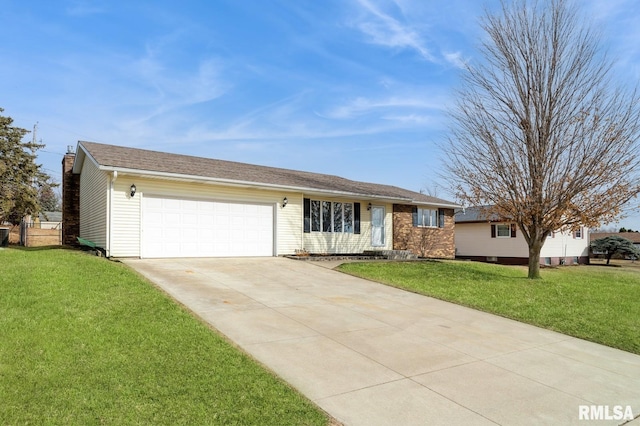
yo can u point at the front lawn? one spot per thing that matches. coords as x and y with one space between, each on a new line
87 341
596 303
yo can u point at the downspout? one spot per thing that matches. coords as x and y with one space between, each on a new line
114 177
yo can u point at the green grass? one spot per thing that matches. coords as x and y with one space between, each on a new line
596 303
87 341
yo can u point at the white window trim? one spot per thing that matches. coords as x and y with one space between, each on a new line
421 215
498 225
331 214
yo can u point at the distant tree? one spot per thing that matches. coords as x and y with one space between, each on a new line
615 244
48 199
538 132
623 229
20 176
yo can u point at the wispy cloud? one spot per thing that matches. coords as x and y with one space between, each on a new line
385 30
406 25
363 106
618 21
180 88
81 8
412 119
455 58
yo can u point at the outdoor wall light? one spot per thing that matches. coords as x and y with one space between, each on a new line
369 206
133 190
284 202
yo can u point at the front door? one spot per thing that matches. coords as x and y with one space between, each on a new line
377 226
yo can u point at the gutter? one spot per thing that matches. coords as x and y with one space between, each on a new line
112 182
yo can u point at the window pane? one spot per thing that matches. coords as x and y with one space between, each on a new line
326 216
433 215
427 217
315 215
348 217
337 217
504 230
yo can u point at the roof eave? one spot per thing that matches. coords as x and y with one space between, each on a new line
252 184
443 205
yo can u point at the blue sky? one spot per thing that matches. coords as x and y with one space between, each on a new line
356 88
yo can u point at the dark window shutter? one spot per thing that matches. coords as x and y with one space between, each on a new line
414 215
440 218
356 218
307 215
513 230
493 231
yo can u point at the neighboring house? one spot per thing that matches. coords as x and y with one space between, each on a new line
138 203
493 240
42 230
48 220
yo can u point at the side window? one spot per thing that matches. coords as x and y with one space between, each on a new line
315 216
337 217
348 217
426 217
326 216
504 231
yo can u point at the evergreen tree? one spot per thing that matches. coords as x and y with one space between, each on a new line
48 198
615 244
20 176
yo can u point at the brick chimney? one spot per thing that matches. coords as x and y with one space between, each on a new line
70 200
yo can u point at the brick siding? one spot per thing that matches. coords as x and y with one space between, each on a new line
425 242
70 202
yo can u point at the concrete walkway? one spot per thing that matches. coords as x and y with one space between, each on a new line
369 354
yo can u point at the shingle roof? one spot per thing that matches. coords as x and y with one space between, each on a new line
134 159
475 214
633 236
51 216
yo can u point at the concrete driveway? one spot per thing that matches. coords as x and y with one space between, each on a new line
369 354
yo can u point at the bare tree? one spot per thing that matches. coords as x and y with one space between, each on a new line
538 130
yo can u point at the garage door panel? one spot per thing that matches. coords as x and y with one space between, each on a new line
154 203
187 228
171 204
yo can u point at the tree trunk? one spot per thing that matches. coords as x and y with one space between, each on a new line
609 257
534 259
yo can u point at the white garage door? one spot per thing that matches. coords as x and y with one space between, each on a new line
173 227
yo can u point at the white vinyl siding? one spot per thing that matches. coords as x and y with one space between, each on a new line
94 189
563 244
474 239
125 219
126 226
